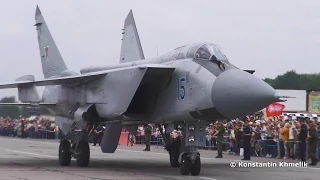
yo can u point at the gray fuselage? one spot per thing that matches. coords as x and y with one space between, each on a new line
192 92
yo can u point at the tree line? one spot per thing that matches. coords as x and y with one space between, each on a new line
293 80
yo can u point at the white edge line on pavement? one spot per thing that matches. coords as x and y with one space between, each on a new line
28 153
47 156
207 178
33 154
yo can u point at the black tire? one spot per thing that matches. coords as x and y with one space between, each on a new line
196 167
64 153
185 165
83 157
174 157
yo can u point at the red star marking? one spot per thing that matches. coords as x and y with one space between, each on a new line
46 50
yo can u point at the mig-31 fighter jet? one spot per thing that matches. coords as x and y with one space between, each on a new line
188 86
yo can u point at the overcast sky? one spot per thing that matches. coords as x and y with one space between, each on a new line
270 37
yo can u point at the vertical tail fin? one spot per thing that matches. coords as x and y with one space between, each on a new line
131 49
51 59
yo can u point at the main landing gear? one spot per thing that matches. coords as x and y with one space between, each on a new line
183 151
79 150
64 153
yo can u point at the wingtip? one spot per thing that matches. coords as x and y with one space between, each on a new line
38 10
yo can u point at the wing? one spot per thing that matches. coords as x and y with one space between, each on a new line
53 81
78 79
27 104
119 87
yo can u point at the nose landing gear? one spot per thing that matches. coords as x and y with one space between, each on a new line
184 151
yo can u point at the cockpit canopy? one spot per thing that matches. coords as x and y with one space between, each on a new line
206 51
196 51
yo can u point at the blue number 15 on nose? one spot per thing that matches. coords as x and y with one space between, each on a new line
181 88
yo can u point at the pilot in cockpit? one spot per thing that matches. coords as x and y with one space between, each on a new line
219 63
221 66
212 53
201 53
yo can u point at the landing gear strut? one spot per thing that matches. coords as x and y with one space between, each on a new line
79 150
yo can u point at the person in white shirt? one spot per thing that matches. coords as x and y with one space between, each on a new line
208 141
142 138
35 125
233 140
141 129
263 130
290 144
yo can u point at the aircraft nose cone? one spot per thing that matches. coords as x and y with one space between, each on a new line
236 93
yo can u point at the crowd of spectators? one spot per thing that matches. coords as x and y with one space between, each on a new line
275 138
155 136
272 138
32 127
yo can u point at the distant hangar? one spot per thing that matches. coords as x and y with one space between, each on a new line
303 101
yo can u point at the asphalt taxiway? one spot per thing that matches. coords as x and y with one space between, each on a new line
29 159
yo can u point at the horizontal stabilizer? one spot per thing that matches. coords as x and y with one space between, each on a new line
27 104
28 92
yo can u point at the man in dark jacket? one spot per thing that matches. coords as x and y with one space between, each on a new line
99 134
247 135
313 143
147 134
238 138
302 139
219 134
